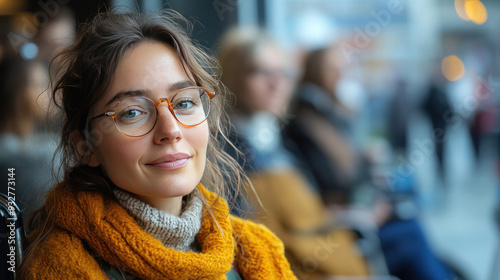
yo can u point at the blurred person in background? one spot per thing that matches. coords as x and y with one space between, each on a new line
436 107
483 122
53 37
23 144
400 111
29 126
257 70
320 135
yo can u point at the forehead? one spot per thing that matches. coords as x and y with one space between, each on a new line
149 66
269 55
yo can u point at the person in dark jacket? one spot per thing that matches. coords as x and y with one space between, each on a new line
320 135
436 106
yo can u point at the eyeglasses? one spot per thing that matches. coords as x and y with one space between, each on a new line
137 115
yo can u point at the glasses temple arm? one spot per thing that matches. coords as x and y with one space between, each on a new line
102 115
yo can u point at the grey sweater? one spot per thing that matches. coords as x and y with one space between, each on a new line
174 232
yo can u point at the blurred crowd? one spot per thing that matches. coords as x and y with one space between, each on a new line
324 190
29 126
329 161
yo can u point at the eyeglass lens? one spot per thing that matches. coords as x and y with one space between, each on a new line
136 116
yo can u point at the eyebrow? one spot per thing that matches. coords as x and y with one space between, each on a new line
139 92
121 95
181 85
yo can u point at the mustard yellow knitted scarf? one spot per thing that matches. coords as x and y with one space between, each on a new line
89 222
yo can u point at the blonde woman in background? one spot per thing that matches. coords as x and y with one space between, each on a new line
256 69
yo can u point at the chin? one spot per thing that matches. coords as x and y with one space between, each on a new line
178 190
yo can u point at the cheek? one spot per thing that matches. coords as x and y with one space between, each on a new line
198 139
117 154
255 92
255 86
285 91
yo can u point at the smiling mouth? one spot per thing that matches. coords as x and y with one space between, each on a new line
171 165
171 162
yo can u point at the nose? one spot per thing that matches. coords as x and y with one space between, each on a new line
276 80
167 128
273 82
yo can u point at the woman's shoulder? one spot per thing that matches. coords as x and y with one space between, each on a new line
62 255
262 254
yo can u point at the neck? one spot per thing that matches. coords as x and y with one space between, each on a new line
172 205
174 231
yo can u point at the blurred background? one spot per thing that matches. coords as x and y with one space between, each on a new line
421 79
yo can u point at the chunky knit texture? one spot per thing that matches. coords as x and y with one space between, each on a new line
174 232
89 222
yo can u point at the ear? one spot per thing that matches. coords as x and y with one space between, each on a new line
83 149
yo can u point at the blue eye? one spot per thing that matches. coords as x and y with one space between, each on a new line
131 114
184 104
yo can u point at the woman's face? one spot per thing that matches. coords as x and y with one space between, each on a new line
268 85
330 70
167 162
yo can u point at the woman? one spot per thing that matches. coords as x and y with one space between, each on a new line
322 133
141 163
255 69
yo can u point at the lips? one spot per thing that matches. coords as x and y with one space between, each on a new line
171 161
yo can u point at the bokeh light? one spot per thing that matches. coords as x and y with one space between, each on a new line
476 11
28 51
473 10
453 68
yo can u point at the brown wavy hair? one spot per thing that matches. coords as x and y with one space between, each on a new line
84 76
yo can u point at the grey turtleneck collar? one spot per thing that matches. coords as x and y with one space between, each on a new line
174 232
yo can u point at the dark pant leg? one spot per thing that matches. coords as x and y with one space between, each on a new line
408 254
